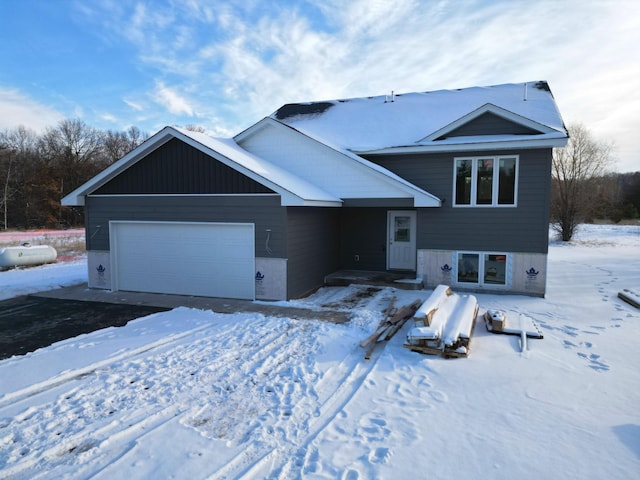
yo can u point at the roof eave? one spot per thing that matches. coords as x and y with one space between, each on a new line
469 146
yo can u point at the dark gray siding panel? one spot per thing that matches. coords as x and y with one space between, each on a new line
179 168
264 212
363 233
312 247
490 124
521 229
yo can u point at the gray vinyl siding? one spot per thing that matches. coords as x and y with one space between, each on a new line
504 229
363 233
263 211
490 124
312 247
178 168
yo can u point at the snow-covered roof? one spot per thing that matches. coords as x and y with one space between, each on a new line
334 169
420 121
292 189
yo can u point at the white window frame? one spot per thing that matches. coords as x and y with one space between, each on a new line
495 185
481 267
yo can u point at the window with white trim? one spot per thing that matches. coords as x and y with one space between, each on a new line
482 268
485 181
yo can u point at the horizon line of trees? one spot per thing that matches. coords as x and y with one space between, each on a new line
38 170
582 187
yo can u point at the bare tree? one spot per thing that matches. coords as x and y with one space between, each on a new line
574 169
17 149
118 144
195 128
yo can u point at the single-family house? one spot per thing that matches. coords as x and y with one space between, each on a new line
449 186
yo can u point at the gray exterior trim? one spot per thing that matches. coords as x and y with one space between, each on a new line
379 202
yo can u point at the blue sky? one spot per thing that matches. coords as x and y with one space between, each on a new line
224 65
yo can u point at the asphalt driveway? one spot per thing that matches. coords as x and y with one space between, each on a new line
31 322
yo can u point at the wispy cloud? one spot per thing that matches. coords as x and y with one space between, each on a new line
19 109
237 61
172 101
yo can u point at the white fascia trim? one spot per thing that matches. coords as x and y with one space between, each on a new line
488 108
107 195
467 147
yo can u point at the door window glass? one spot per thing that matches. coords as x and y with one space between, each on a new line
402 229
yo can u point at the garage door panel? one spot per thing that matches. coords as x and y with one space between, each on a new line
204 259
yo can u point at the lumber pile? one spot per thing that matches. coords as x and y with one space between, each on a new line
444 324
629 296
393 321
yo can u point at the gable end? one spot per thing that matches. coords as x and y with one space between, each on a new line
178 168
489 123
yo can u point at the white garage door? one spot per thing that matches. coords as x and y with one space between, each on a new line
202 259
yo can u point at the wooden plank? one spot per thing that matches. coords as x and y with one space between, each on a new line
389 327
422 349
629 297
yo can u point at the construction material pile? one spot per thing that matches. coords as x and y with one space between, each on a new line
393 321
443 325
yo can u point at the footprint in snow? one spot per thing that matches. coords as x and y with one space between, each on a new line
439 396
380 455
351 475
595 362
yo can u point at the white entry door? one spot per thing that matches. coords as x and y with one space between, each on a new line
401 248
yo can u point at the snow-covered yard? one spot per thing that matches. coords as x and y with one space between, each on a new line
192 394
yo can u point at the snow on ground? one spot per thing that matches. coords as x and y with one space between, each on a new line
193 394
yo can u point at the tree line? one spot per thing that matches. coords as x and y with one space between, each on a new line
584 190
37 170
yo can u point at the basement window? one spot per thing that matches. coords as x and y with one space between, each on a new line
482 268
485 181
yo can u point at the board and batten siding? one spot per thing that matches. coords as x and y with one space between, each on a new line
178 168
312 247
510 229
264 212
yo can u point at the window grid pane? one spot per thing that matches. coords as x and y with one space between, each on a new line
484 195
463 182
507 181
468 264
495 269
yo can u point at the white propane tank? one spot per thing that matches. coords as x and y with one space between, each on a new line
27 255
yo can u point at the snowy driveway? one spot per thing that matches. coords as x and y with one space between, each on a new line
31 322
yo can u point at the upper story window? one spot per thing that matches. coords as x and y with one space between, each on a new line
485 181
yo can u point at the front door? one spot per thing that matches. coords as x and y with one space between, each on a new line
401 232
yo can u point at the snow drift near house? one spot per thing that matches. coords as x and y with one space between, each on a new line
193 394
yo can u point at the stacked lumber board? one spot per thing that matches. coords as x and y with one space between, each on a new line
630 296
393 321
444 324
